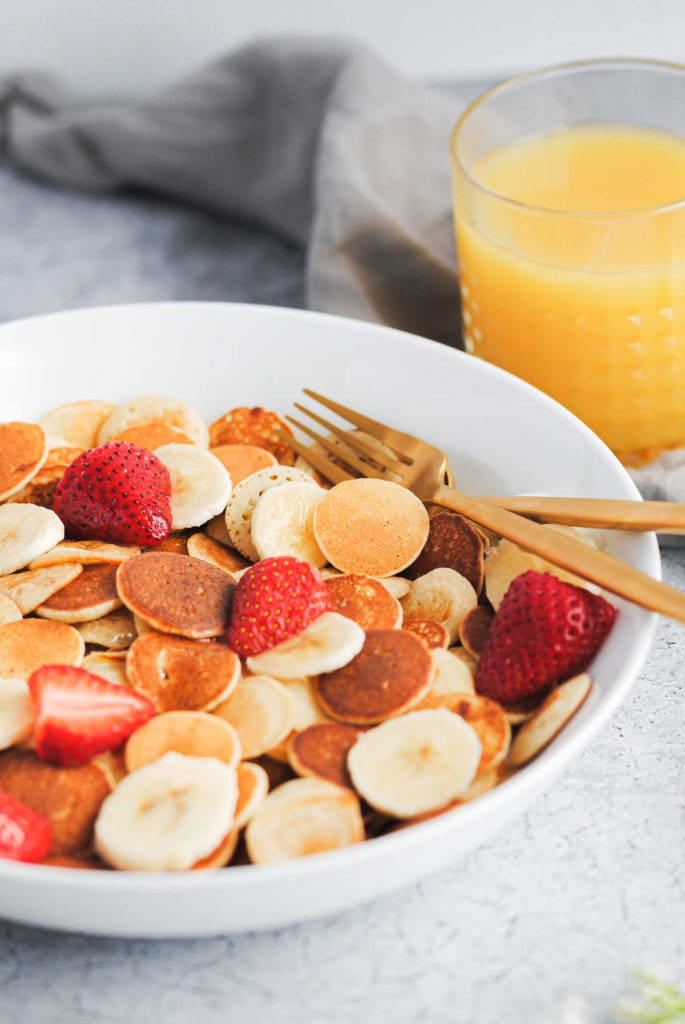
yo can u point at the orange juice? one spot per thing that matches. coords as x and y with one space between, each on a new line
572 266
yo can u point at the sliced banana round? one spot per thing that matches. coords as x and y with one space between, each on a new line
328 643
282 522
26 531
200 484
415 763
168 814
16 712
243 501
302 817
153 407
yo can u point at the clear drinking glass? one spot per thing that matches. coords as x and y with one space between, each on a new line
569 201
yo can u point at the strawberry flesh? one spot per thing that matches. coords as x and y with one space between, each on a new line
119 493
25 835
275 599
79 714
545 631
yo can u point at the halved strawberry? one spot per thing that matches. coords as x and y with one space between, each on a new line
116 492
24 834
79 714
544 631
275 599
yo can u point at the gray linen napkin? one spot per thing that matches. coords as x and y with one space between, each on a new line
317 140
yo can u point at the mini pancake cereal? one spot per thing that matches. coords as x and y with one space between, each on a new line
284 666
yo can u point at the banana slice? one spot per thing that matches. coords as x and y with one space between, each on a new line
200 485
328 643
153 407
302 817
16 712
168 814
26 531
282 522
244 499
415 763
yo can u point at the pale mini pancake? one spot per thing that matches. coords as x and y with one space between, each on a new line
306 711
539 731
216 529
451 675
441 594
521 711
181 675
474 629
115 631
261 711
365 600
144 408
321 751
242 503
255 426
176 593
253 785
203 547
30 589
243 460
9 610
109 665
77 422
389 676
453 543
395 585
40 490
373 527
431 632
85 552
92 594
507 560
69 797
153 434
23 450
303 817
30 643
486 717
194 733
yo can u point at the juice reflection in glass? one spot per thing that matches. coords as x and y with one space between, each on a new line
569 189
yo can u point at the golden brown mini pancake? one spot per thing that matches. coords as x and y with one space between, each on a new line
365 600
181 675
40 490
85 552
487 718
92 594
431 632
176 593
374 527
84 860
208 550
23 449
242 460
219 857
254 426
152 434
474 629
177 543
109 665
32 588
216 529
30 643
321 751
389 676
193 733
453 543
69 797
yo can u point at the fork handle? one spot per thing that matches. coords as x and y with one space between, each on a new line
606 571
605 513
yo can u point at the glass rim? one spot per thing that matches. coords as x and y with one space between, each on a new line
514 80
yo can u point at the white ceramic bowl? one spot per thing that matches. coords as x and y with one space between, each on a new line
502 436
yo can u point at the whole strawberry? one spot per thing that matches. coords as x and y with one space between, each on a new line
275 599
117 492
544 631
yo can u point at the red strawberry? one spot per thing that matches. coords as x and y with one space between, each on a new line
277 598
24 834
117 492
79 714
544 631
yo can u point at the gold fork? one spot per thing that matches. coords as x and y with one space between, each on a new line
423 469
